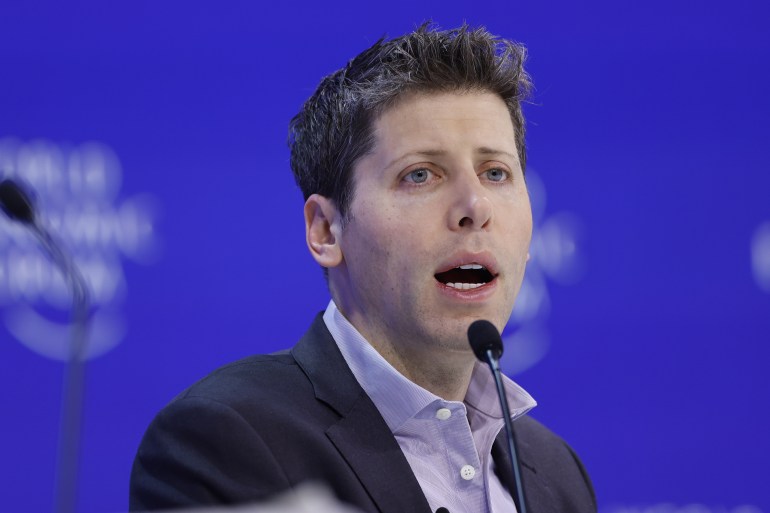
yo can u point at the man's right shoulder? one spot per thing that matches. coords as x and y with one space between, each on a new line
246 381
226 438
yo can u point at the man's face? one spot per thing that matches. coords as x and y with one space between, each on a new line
439 225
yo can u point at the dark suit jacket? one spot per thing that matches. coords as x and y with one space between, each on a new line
264 424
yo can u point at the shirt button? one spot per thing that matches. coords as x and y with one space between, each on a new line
443 413
467 472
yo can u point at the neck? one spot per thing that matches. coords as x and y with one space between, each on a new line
446 374
443 367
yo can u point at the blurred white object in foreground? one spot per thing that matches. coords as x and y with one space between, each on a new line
308 498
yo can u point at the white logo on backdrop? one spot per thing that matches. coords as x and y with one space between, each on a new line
76 193
760 256
555 255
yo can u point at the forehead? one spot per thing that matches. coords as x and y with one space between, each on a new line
426 121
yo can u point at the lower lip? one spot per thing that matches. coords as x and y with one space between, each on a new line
477 294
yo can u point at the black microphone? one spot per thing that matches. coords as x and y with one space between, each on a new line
442 509
488 347
483 337
15 202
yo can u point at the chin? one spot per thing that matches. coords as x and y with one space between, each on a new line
453 335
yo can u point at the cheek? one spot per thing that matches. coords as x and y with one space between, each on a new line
390 249
372 231
519 224
367 246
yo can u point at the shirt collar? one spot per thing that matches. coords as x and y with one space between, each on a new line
397 398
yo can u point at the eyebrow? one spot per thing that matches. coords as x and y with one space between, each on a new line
491 151
482 150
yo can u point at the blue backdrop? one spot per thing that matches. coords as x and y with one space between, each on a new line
155 134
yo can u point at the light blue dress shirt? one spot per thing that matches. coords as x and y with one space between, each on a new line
448 444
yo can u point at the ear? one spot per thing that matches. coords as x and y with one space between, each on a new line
322 230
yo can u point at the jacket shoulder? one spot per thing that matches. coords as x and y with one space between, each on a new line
547 459
250 377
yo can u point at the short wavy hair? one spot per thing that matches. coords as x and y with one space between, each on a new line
334 129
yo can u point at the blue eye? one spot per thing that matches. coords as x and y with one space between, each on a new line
496 174
418 176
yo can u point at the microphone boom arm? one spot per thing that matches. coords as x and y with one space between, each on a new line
513 454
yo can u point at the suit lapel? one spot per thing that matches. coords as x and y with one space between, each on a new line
536 492
361 435
370 449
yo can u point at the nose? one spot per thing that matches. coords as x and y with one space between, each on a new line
471 206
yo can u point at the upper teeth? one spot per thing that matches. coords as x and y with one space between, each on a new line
471 266
464 286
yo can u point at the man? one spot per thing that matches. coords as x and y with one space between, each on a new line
411 160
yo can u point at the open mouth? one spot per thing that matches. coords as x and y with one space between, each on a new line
465 277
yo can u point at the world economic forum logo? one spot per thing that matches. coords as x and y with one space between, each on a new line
555 256
76 190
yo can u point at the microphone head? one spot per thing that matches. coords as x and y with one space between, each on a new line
15 202
483 337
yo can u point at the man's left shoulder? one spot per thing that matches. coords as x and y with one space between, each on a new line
530 431
548 460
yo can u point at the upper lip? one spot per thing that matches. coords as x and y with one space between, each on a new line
483 258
